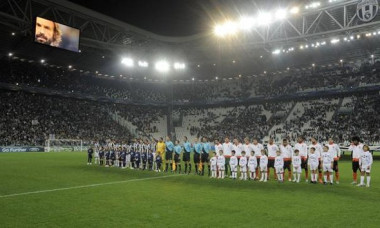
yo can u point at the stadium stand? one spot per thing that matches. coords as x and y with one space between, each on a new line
339 116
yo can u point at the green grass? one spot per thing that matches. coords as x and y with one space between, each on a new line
176 201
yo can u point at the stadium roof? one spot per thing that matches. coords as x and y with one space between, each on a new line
108 36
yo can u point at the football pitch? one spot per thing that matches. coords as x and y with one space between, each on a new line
60 190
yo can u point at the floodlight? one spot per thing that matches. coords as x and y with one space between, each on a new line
70 66
264 18
334 41
10 54
143 64
179 66
246 23
42 60
295 10
219 31
162 66
280 14
276 52
128 62
230 27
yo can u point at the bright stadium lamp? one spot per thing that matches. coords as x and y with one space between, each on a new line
334 41
42 60
128 62
179 66
10 54
230 27
280 14
143 64
294 10
219 31
246 23
276 52
162 66
264 19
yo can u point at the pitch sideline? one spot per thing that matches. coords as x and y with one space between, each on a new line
86 186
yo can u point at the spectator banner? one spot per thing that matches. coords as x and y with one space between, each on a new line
10 149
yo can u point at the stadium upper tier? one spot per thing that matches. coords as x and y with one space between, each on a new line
330 77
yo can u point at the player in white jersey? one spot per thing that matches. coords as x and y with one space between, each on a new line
318 151
96 156
365 163
247 146
287 152
296 163
356 149
313 162
263 166
218 146
327 163
257 147
227 148
213 162
252 165
237 147
128 156
233 165
335 152
243 166
221 162
302 148
272 150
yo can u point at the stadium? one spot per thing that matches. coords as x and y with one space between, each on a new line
202 113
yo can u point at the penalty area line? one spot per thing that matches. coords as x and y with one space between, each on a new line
86 186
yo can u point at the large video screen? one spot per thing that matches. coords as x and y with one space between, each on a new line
56 35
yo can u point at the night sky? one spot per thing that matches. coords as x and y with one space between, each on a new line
176 17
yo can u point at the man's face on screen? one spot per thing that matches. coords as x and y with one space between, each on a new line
44 31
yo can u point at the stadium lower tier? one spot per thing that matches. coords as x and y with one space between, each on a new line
30 119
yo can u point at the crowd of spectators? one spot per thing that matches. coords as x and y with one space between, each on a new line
267 85
359 117
30 119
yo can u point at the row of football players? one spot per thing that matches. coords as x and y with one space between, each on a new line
359 152
249 165
124 157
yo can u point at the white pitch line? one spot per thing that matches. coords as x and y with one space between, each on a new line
86 186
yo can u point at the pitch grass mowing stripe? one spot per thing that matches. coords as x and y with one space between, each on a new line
87 186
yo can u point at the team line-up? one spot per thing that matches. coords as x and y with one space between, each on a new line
250 160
